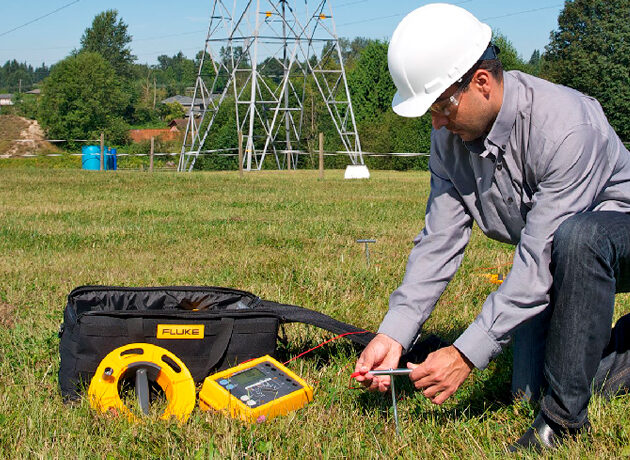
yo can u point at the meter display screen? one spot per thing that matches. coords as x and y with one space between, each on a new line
247 377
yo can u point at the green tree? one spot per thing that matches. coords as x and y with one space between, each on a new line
27 105
15 76
81 98
234 56
351 50
371 85
108 36
508 56
590 51
146 95
222 136
380 129
171 111
177 73
535 62
273 67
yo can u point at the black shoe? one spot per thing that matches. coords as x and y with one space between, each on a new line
544 435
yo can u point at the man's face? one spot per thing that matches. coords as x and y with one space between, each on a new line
471 117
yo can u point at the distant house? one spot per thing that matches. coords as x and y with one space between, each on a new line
6 99
139 135
176 129
186 101
178 125
36 92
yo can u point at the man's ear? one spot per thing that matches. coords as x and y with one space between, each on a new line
482 81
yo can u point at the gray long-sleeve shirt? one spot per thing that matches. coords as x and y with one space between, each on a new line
550 154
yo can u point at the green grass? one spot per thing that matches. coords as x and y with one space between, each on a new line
71 159
287 237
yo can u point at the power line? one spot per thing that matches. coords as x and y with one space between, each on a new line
169 36
159 37
523 12
370 20
38 48
167 53
41 17
349 3
343 5
379 18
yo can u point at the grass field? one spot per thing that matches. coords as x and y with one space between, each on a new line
287 237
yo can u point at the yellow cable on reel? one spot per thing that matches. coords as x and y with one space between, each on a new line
171 374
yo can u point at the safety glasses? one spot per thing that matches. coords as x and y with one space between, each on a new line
446 106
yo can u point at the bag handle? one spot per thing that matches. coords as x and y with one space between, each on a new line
294 314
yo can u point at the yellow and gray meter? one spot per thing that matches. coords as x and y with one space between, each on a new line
255 390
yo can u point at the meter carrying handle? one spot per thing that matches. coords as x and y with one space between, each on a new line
294 314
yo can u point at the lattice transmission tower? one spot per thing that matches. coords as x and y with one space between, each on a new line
259 58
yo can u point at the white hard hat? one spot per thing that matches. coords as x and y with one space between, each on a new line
432 48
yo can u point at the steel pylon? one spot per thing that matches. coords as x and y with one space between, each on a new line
259 56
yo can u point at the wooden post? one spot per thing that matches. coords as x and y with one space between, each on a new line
240 153
152 152
289 159
102 151
321 155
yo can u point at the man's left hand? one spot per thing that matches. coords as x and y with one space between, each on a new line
441 374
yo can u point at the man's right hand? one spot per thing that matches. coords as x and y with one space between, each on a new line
382 352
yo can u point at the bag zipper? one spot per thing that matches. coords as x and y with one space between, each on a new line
256 301
179 314
100 288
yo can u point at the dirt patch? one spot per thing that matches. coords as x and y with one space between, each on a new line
6 314
21 136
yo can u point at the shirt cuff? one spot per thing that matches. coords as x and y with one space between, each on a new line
477 346
399 327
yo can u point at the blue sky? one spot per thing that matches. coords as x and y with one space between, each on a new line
166 27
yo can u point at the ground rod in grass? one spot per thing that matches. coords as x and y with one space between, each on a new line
367 249
393 373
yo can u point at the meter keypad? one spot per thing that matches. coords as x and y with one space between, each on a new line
259 385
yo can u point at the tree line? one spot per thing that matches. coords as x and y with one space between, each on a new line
17 76
100 87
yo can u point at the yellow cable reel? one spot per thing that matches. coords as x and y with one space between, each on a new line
169 372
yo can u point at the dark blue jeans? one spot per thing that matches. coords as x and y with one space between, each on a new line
590 263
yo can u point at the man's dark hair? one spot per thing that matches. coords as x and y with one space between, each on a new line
489 61
493 66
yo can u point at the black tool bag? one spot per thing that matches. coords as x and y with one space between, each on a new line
208 328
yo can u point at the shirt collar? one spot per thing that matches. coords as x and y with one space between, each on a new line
478 146
502 127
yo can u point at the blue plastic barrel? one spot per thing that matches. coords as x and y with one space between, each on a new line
91 157
106 160
112 162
